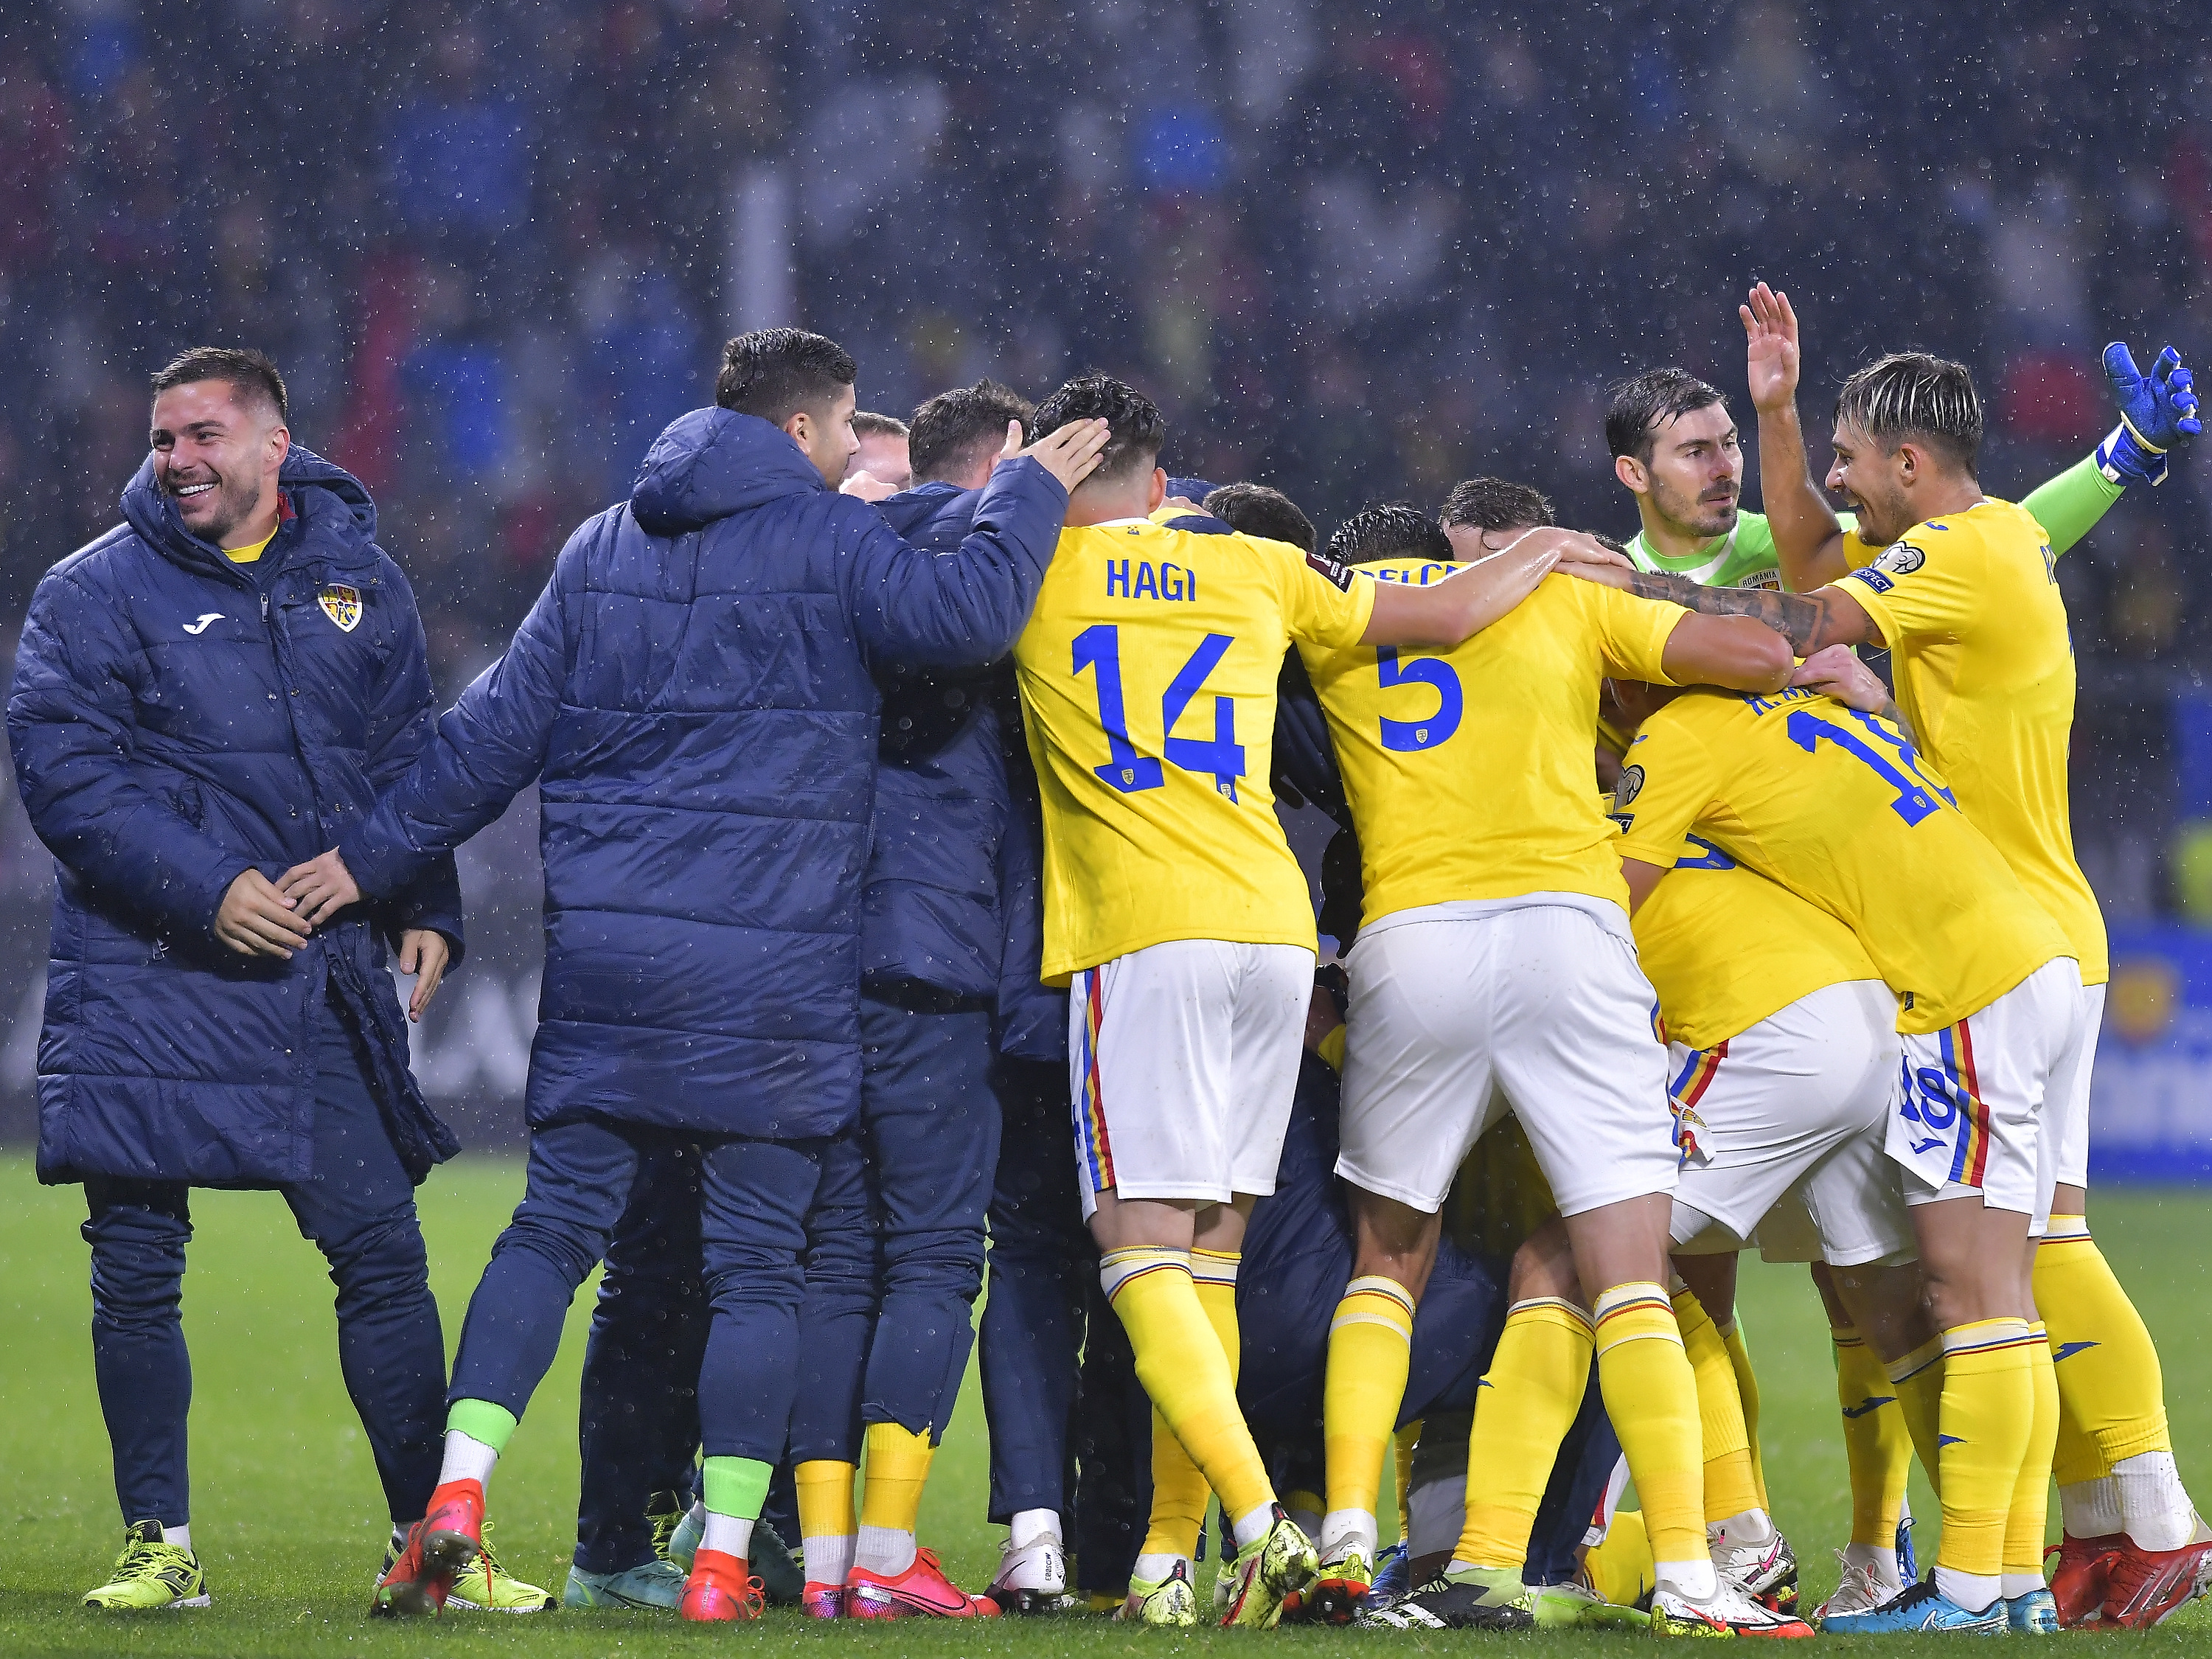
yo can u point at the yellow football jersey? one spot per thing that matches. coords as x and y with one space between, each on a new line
1836 806
1147 676
1468 770
1724 947
1983 666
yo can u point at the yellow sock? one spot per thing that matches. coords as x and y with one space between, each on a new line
1989 1416
1213 1275
1179 1491
1402 1449
1728 1486
1371 1346
1179 1495
1876 1446
1918 1380
897 1469
2031 1491
1651 1396
825 1499
2110 1385
1181 1365
1523 1407
1746 1389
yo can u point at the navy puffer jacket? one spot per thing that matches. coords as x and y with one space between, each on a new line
930 919
692 693
175 719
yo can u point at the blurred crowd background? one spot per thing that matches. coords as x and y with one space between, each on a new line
1358 251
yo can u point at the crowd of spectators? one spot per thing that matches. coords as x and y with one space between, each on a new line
1356 251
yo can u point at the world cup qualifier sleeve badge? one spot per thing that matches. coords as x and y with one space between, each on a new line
341 605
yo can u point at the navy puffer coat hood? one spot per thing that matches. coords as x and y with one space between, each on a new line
692 693
177 718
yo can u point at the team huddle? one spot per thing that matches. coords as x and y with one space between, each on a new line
914 876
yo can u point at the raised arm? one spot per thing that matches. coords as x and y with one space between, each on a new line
966 609
1826 616
1809 545
1734 652
1442 614
485 751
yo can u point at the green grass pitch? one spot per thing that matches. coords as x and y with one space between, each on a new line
287 1518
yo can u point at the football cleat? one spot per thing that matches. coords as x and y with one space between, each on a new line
1727 1611
1170 1602
921 1591
2033 1614
782 1579
1497 1602
1394 1578
1031 1579
2077 1577
1859 1589
1342 1583
719 1590
151 1575
484 1586
2144 1586
657 1584
445 1540
1918 1607
1766 1572
1279 1564
408 1589
1575 1606
820 1600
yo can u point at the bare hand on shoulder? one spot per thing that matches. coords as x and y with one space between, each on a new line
867 487
1070 454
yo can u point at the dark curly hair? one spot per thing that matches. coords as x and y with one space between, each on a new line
1495 504
780 371
1253 509
1138 430
955 430
1389 530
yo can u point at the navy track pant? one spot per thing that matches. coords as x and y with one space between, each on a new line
754 1196
359 1208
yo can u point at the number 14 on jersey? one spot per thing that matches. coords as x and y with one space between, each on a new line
1098 648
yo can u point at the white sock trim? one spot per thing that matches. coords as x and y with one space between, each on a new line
2091 1509
466 1459
1974 1591
1251 1527
730 1534
2155 1507
885 1549
828 1557
180 1536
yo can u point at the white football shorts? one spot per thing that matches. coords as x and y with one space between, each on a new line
1798 1101
1540 1009
1182 1060
2066 1117
1967 1112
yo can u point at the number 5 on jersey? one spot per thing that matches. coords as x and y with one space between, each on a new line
1099 649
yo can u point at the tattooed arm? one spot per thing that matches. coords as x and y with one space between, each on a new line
1810 621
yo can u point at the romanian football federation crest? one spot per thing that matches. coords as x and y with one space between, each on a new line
341 605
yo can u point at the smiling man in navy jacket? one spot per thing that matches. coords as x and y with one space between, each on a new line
692 694
208 693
